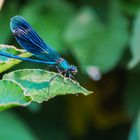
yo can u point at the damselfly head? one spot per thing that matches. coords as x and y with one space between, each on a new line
73 69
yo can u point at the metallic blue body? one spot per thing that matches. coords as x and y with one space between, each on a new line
30 41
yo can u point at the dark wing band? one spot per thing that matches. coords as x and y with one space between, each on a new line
30 41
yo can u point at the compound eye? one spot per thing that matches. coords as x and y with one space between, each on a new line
75 70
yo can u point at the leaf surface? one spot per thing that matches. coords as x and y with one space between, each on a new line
134 44
6 62
11 94
13 127
92 42
36 83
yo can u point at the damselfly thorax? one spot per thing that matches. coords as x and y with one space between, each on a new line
31 42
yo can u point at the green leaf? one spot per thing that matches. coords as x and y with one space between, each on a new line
11 94
134 44
5 62
134 133
36 84
6 13
49 25
92 43
13 128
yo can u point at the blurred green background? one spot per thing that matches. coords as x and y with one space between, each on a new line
102 38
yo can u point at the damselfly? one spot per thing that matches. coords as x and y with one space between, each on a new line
31 42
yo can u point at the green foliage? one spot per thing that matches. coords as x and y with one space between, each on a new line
52 22
135 45
4 23
97 34
35 83
134 133
13 128
11 94
5 62
92 43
